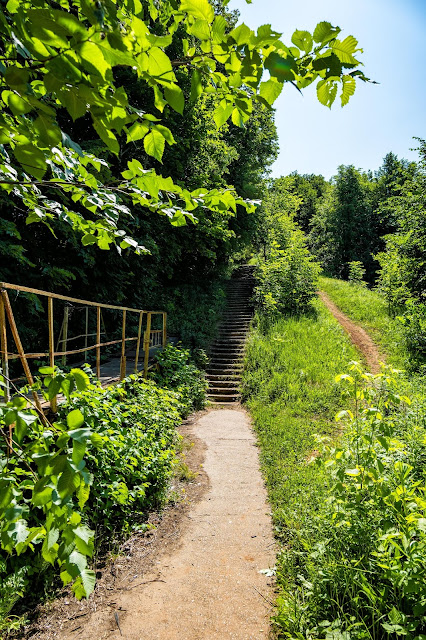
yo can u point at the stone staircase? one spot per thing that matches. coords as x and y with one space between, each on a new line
226 352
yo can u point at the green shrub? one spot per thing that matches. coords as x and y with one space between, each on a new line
356 273
133 450
176 371
100 465
413 322
287 278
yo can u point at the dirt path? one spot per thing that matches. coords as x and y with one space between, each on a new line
358 336
209 586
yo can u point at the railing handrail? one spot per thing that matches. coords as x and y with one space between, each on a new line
58 296
6 312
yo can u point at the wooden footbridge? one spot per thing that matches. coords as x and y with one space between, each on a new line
146 337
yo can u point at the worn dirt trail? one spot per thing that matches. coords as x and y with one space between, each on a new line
358 336
209 587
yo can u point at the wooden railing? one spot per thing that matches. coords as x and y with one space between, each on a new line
151 337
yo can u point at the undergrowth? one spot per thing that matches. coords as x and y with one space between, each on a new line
348 502
71 484
357 568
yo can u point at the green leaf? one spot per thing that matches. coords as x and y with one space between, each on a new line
16 76
222 113
48 550
88 239
200 29
97 440
324 32
281 67
242 35
159 65
83 493
106 135
75 419
16 103
196 85
348 89
46 371
175 97
66 484
93 59
199 9
78 559
302 39
270 90
41 493
32 160
218 29
326 92
88 580
84 540
137 131
154 145
237 118
74 104
81 435
344 50
18 531
78 451
165 132
81 379
47 130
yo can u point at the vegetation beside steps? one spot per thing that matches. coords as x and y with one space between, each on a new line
74 484
226 353
347 497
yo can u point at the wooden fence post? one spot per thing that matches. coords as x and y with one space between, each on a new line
87 331
98 341
164 330
146 343
123 348
20 349
53 403
65 334
4 355
138 343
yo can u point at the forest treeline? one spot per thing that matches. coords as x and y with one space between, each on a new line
363 226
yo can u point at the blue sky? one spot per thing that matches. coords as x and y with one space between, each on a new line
379 118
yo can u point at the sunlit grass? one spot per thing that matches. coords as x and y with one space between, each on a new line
369 309
289 385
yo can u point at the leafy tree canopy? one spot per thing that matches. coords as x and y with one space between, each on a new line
61 64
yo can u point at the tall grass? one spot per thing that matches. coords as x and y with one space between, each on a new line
369 309
288 383
352 560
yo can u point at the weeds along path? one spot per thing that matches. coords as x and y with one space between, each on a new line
358 336
209 587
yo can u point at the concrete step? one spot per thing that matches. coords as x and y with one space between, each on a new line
224 377
221 398
224 384
221 352
224 391
224 370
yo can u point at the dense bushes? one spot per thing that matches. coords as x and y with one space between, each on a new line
98 466
287 274
176 371
288 278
